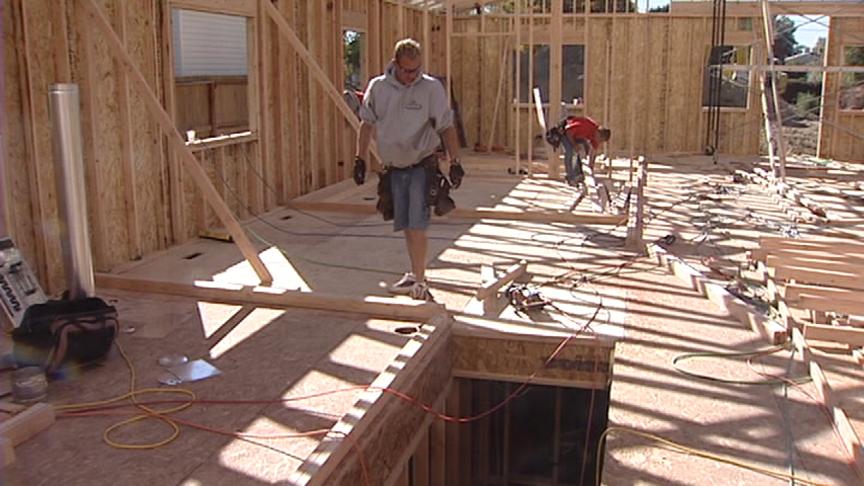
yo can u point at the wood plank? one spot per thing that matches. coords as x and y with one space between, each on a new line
127 161
828 304
257 90
62 67
852 336
421 455
191 164
28 120
437 454
314 68
761 254
835 278
388 307
244 8
830 244
175 174
28 423
489 288
793 292
583 363
7 453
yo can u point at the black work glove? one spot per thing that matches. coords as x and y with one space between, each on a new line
456 174
359 171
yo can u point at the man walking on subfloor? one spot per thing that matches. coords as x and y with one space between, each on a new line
409 115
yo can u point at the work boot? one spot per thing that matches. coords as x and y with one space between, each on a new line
420 291
404 285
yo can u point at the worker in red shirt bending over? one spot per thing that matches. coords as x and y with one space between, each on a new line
577 133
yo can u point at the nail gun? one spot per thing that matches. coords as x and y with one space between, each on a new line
525 297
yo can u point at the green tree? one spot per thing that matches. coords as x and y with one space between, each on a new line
352 59
785 44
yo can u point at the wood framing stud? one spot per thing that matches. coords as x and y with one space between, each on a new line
385 307
28 423
489 288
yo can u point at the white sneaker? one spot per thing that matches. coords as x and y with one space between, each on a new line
404 285
420 291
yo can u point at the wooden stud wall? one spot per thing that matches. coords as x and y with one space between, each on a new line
842 136
643 79
139 199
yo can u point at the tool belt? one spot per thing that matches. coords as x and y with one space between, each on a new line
437 189
63 332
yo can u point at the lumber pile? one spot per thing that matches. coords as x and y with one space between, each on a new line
816 285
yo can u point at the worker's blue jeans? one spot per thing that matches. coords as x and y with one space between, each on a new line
574 171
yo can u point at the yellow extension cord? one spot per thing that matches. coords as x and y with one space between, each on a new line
699 453
150 413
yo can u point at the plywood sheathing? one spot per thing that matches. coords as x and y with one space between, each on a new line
841 137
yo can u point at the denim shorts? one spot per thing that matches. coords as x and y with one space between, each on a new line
410 193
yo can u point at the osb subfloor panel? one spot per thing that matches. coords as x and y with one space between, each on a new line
756 424
262 353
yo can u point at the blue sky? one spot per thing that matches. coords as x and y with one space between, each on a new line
808 33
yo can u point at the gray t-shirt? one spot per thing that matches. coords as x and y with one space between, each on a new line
407 119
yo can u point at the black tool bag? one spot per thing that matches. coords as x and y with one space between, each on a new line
65 332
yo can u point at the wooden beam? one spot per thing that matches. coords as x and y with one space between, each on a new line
768 25
576 366
505 51
835 278
355 20
555 76
28 119
489 288
28 423
7 453
437 453
191 164
386 307
175 193
314 68
636 209
852 336
449 48
243 8
829 244
127 162
421 455
751 9
62 66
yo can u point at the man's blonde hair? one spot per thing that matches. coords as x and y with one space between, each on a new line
409 48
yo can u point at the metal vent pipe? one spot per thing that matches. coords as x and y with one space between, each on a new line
71 192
